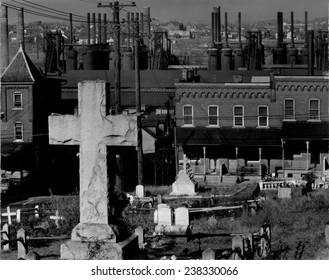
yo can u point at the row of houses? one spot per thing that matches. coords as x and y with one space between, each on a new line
228 123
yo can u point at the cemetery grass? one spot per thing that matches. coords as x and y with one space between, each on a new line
297 226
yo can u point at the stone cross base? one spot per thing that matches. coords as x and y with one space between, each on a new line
93 232
77 250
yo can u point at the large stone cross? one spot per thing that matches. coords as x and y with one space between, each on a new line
93 130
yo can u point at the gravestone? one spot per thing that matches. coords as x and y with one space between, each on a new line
284 192
212 165
165 216
171 222
140 191
218 165
208 254
183 185
182 216
93 130
155 216
232 165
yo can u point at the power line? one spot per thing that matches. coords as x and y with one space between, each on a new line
47 9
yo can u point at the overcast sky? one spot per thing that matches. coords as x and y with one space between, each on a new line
192 10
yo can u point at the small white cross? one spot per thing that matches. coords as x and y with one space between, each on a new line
9 214
56 218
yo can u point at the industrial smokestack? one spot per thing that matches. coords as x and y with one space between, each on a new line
132 19
104 28
141 24
306 28
147 26
94 28
4 42
280 30
212 28
137 24
311 54
226 30
215 26
99 28
88 27
292 30
71 29
292 54
219 27
239 29
20 28
128 29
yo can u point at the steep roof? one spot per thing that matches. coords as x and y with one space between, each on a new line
21 69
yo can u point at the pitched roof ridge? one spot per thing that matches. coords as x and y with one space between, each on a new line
26 62
12 61
32 72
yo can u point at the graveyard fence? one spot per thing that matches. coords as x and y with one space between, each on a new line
22 240
244 246
134 243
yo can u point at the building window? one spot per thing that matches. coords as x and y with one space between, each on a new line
263 116
18 100
213 115
238 116
289 109
18 133
188 115
314 109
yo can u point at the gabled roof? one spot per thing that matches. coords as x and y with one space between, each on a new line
21 69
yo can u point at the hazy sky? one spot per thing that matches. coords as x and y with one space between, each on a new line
192 10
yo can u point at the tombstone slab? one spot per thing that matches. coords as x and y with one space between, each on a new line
208 254
93 130
183 185
140 191
284 192
182 216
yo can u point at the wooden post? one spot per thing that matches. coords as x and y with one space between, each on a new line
307 155
236 157
260 161
204 158
282 148
138 110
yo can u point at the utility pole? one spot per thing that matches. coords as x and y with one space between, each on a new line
116 7
138 109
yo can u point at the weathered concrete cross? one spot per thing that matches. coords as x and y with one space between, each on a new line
93 130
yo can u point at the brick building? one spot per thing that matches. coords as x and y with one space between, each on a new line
247 122
27 98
